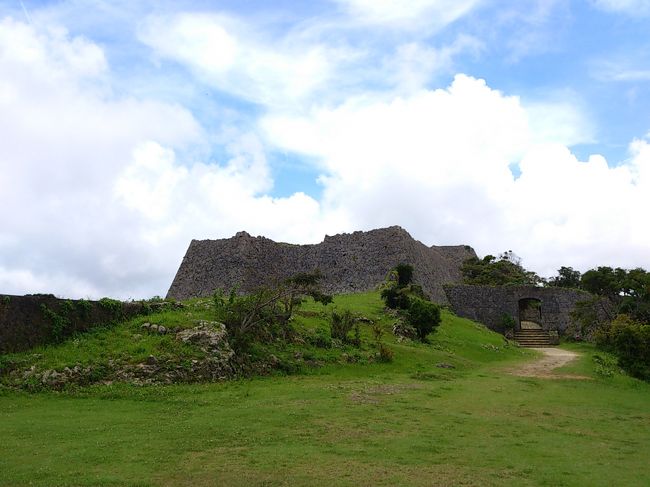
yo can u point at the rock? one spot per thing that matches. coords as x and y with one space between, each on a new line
153 328
162 330
209 336
151 360
444 365
145 326
403 331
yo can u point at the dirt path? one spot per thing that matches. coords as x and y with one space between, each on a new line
553 358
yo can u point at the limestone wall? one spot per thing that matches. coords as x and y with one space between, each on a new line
28 321
349 263
488 304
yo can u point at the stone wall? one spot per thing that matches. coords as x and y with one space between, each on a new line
352 262
488 304
28 321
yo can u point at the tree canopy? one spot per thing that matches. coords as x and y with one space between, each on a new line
498 271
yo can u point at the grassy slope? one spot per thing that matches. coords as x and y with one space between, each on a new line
405 423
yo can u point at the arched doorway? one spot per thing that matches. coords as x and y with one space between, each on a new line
530 314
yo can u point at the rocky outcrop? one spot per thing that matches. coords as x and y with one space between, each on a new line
348 262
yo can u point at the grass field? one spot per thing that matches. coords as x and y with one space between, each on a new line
403 423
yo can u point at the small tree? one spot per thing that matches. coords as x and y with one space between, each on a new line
398 287
341 324
424 316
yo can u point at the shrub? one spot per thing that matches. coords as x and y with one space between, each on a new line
424 316
341 324
321 338
59 322
385 354
113 306
404 274
629 340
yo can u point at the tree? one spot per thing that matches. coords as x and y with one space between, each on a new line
424 316
566 277
604 281
267 311
398 287
493 271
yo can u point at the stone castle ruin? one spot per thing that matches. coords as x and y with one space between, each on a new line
354 262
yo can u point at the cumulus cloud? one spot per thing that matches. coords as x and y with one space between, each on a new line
96 200
438 162
105 191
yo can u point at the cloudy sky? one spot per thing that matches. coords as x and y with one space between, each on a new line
130 127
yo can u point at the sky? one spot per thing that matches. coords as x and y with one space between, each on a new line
130 127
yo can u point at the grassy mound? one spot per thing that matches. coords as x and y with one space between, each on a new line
104 353
339 423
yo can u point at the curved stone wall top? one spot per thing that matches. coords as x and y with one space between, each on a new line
350 262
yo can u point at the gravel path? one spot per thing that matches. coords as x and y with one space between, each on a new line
553 358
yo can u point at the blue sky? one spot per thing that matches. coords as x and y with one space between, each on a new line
134 126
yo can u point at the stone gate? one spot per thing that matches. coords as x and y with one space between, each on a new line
489 304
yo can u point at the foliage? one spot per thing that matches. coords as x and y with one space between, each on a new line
424 316
266 312
404 274
588 316
399 288
59 322
629 340
84 307
341 324
493 271
384 353
113 306
566 277
508 322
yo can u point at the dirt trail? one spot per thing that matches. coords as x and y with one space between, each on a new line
553 358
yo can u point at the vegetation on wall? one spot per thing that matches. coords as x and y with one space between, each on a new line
498 271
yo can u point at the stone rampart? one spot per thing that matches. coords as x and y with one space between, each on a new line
352 262
28 321
488 304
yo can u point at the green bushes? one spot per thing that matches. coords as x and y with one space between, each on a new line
401 294
629 340
341 324
265 313
60 323
424 316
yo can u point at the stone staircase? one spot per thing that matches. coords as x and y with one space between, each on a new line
533 338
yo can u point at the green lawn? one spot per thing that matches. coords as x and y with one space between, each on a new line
404 423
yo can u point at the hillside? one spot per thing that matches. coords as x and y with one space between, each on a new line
445 413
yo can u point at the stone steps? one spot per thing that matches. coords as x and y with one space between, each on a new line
533 338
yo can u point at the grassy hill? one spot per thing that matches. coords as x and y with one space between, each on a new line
325 416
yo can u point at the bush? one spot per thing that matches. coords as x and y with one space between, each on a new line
424 316
385 354
629 340
341 324
321 338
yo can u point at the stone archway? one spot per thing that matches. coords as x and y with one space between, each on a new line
530 314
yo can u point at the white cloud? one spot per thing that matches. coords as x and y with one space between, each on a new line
630 7
437 162
431 14
96 198
234 58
